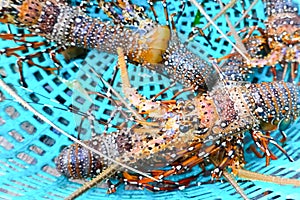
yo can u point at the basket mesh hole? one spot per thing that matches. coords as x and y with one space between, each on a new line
37 150
94 107
56 81
12 112
99 64
47 140
16 135
25 51
93 83
50 170
47 110
68 92
60 99
48 88
55 131
107 112
28 127
80 100
38 119
100 98
27 158
296 176
38 76
81 130
14 68
263 194
75 69
63 121
23 184
34 98
84 77
66 75
6 144
10 192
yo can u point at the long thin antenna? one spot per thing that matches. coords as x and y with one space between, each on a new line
234 184
224 9
244 15
92 183
218 29
136 114
265 178
232 181
238 40
246 12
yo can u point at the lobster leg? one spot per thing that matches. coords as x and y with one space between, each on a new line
28 58
262 141
231 154
112 188
166 185
164 3
16 37
229 159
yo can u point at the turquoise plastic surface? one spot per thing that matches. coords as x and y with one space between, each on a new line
28 146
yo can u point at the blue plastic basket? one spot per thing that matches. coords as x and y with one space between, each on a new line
28 146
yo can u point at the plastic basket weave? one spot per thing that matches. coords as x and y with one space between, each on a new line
28 146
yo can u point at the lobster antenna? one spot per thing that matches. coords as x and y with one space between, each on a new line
136 114
67 108
232 181
229 5
234 184
218 29
246 12
245 174
93 182
42 117
238 40
243 16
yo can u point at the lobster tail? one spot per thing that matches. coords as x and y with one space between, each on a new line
275 101
78 162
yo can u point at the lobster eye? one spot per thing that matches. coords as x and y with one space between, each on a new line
279 38
190 107
184 128
284 124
